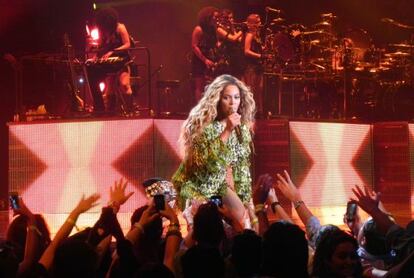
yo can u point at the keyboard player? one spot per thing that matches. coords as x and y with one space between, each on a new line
111 64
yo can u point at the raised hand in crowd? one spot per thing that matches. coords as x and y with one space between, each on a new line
32 237
230 218
148 216
84 205
369 201
260 193
117 194
261 189
254 221
354 223
277 209
287 187
290 191
173 236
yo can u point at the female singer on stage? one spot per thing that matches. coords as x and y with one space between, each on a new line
216 143
253 75
114 41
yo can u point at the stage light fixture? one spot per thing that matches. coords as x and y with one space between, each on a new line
102 86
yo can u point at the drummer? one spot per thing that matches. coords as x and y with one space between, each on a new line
344 56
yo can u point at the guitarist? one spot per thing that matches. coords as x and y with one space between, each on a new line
203 45
114 42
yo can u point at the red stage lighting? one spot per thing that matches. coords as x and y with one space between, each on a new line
102 86
95 34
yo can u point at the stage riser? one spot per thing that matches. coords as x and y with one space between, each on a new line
52 164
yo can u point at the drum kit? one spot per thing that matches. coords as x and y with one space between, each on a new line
366 77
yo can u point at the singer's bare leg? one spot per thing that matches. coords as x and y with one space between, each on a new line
231 200
233 203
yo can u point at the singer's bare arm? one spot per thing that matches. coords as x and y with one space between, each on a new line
195 41
248 47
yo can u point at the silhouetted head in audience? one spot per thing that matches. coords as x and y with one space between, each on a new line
153 231
17 231
246 253
75 258
148 249
152 270
410 227
208 227
285 251
336 256
202 262
9 262
324 231
372 240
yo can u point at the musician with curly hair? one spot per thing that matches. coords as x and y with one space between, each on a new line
203 45
114 42
216 143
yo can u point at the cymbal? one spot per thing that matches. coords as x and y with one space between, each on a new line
322 32
323 23
396 23
328 15
397 54
403 45
313 32
278 20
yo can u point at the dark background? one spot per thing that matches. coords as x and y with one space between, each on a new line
164 26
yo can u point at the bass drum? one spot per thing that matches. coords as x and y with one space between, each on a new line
283 47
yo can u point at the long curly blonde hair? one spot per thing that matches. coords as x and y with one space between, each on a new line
207 110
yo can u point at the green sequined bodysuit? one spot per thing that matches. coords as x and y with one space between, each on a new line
206 176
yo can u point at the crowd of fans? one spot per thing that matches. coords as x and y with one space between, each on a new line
216 245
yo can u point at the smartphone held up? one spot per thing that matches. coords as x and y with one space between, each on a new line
159 201
14 200
351 211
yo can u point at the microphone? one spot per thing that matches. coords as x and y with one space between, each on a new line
270 9
237 128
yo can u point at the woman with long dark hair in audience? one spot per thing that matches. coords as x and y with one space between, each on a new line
216 144
336 256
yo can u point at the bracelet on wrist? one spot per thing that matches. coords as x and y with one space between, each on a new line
255 221
70 221
175 224
139 227
115 205
173 233
259 208
274 205
173 228
297 204
35 229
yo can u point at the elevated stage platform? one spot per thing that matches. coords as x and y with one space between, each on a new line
52 163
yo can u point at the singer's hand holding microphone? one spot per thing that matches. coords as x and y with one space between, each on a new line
233 122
